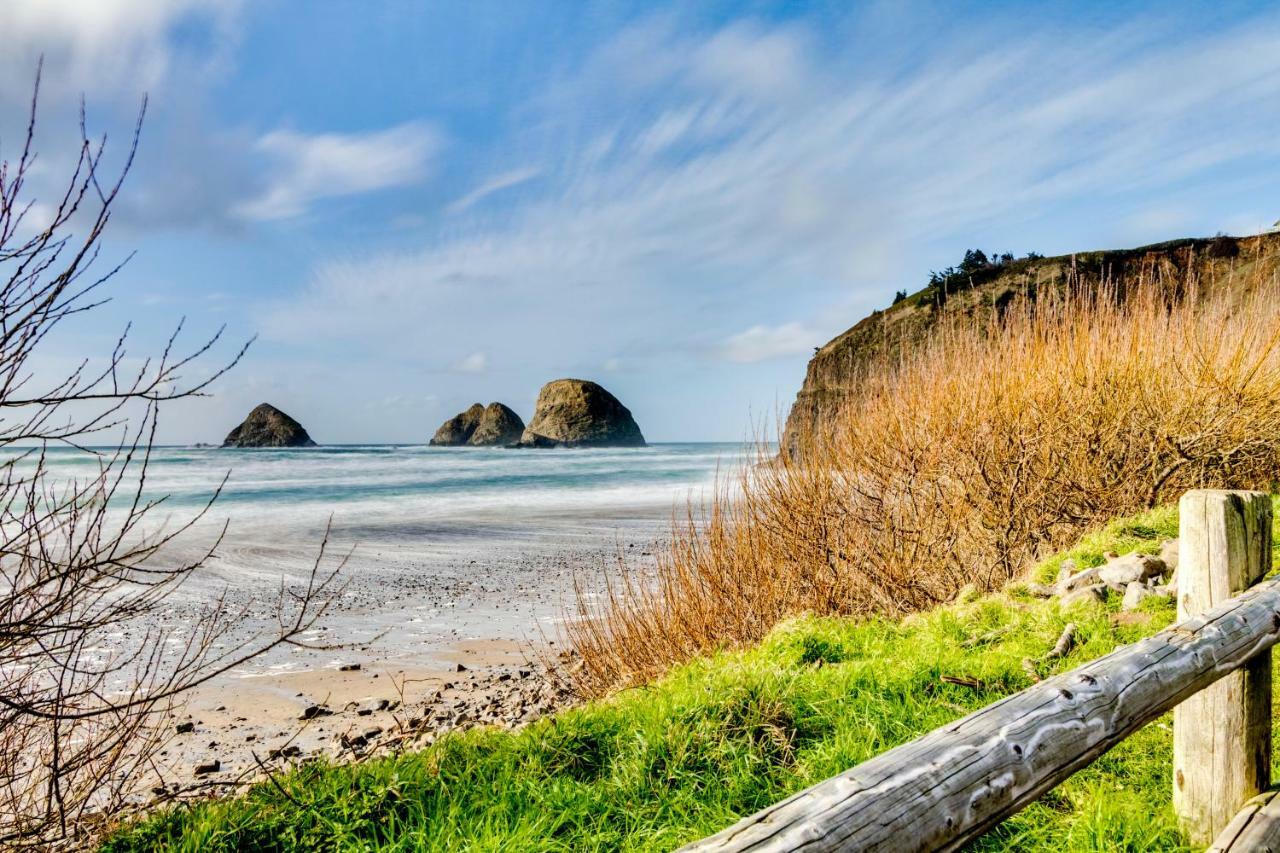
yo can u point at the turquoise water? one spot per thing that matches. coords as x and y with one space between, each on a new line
361 478
441 545
419 495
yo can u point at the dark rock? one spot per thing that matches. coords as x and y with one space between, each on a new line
184 728
212 766
312 711
349 667
578 413
267 426
498 427
458 429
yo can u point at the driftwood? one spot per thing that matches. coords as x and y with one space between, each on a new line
955 783
1255 827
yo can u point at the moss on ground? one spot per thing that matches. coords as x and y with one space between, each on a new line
654 767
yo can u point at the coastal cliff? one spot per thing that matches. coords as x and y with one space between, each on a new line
833 371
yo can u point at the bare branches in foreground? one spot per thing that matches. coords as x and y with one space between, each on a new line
84 563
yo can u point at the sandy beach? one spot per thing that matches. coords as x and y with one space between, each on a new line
420 650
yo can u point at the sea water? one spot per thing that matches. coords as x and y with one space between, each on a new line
435 544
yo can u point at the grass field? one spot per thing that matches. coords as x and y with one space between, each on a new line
657 766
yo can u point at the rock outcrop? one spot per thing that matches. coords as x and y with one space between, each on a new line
458 430
832 376
578 413
494 425
267 426
498 427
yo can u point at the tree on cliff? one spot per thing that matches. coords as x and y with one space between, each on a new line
81 716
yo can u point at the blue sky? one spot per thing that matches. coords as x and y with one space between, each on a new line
416 206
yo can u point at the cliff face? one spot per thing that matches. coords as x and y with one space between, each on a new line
832 375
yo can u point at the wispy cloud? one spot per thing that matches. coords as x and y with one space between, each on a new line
497 183
477 362
820 176
308 168
761 343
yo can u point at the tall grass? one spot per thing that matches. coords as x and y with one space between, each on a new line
999 439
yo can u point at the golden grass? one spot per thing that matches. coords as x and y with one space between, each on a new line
996 441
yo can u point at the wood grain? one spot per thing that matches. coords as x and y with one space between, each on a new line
1221 735
955 783
1254 829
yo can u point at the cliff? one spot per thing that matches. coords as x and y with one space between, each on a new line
832 374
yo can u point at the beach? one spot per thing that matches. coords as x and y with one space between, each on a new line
457 570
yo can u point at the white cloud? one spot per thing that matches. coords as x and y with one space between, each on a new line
308 168
477 362
815 188
97 45
761 343
497 183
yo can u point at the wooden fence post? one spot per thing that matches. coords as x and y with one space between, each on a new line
1221 735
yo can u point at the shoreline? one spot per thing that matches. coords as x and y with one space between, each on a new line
479 659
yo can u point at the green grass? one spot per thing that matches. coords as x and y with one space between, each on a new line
654 767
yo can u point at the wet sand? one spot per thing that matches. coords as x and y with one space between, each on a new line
427 645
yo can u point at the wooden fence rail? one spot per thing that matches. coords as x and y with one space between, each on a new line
957 782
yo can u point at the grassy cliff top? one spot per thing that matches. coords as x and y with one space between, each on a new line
834 371
652 768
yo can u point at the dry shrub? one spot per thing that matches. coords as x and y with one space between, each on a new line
994 442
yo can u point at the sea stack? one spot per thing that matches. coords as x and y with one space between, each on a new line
579 413
267 426
499 426
458 429
494 425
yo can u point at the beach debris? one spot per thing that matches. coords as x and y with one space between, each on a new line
185 727
349 667
213 765
312 711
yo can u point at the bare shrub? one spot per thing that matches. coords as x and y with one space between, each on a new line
994 442
81 714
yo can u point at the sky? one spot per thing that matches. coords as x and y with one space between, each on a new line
415 206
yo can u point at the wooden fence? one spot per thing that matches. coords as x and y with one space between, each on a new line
1213 668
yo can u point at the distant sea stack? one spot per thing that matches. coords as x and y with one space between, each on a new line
458 429
494 425
578 413
499 426
267 426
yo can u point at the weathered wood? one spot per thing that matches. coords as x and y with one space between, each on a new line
1254 829
955 783
1221 735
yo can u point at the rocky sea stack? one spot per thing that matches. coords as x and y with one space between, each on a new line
458 429
494 425
499 426
578 413
267 426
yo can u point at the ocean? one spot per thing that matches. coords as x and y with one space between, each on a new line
441 545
